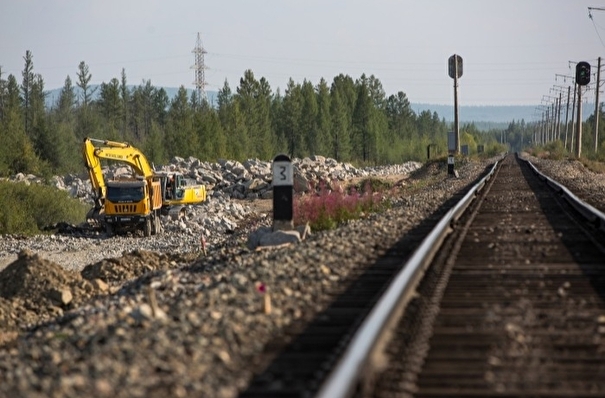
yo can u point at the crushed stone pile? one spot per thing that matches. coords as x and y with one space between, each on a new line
130 265
33 289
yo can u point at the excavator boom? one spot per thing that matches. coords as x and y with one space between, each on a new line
93 165
121 152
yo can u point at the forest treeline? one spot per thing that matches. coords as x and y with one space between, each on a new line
348 119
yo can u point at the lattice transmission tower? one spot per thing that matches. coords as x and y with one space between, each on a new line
200 68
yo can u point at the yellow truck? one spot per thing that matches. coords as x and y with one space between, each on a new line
135 203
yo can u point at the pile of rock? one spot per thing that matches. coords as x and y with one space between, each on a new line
252 179
248 180
226 180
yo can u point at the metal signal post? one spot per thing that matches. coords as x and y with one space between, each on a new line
582 79
455 72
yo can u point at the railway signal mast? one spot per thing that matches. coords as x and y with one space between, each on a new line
582 79
455 72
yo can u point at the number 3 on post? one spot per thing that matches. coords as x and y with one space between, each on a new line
282 174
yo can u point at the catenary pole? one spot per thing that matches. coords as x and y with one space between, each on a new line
567 115
596 108
579 124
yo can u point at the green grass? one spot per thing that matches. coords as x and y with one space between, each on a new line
27 209
556 151
594 165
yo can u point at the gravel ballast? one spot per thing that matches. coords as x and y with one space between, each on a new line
155 317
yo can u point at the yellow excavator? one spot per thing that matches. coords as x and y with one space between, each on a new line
135 203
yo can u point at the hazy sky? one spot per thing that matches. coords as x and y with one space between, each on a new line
512 49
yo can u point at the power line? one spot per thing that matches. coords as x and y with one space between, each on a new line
593 22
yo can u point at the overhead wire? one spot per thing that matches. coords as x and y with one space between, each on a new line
595 27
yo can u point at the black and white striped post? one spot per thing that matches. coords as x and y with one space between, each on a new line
283 190
451 146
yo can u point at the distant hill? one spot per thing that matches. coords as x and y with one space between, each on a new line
491 114
484 117
471 113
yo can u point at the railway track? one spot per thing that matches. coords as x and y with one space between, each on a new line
509 302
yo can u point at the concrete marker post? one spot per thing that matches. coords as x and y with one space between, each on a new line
283 190
450 165
451 146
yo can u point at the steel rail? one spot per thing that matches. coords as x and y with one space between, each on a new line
587 211
343 379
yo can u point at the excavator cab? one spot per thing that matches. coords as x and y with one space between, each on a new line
173 188
179 184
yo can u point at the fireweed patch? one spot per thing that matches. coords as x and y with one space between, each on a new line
331 205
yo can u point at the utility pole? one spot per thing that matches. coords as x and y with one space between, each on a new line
582 79
559 117
596 111
573 107
596 108
578 150
567 115
542 124
552 117
559 89
546 123
573 117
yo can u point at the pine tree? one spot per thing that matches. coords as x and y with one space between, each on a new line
160 106
38 105
67 146
376 92
277 123
362 134
17 153
2 95
323 118
347 91
42 135
153 145
84 77
340 138
125 111
111 104
347 94
233 124
248 93
224 101
26 91
87 122
180 138
137 114
293 104
211 136
66 102
265 148
308 118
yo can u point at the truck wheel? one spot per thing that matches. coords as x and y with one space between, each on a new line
147 228
108 230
